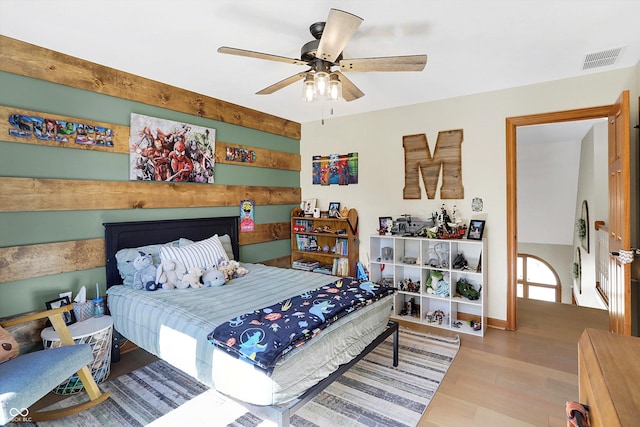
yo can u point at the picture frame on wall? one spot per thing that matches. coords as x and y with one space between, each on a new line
334 209
584 216
476 229
577 274
69 316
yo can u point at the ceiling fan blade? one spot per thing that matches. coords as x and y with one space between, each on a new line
282 84
338 30
350 92
388 63
260 55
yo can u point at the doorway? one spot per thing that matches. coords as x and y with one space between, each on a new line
561 182
512 124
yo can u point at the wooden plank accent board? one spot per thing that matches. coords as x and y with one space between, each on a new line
35 194
29 60
17 262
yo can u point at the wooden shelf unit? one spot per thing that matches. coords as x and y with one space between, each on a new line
347 241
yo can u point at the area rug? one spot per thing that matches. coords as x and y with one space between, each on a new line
371 393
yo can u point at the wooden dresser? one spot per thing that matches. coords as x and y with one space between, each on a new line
609 378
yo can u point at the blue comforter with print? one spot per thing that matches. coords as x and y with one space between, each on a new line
263 336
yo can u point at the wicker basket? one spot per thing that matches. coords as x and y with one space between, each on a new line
83 310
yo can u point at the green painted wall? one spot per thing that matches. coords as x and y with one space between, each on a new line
25 160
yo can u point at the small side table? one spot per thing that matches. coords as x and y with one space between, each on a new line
95 331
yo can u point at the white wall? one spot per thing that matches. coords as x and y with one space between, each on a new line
377 137
592 187
547 184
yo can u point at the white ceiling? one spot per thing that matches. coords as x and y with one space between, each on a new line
473 46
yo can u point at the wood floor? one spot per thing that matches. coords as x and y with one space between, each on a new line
508 378
516 378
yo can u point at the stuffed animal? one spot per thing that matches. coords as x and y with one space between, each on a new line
232 270
9 347
443 288
435 277
169 274
213 277
145 275
192 278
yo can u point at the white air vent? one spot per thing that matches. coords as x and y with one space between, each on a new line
601 59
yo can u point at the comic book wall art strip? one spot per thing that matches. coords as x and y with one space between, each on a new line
341 169
165 150
240 155
49 129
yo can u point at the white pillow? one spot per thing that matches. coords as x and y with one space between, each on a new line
225 239
203 254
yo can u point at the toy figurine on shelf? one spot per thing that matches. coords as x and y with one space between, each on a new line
447 227
438 316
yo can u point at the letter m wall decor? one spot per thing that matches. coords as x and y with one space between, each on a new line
447 156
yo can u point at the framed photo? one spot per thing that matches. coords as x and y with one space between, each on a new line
384 223
584 216
577 273
334 209
69 317
476 229
309 206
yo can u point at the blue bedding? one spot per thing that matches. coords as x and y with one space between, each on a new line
263 336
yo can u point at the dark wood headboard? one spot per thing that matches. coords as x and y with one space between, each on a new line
120 235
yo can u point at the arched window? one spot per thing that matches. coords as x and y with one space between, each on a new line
537 279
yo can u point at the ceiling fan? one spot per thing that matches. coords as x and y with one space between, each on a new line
324 55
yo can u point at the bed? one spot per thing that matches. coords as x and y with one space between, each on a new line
174 324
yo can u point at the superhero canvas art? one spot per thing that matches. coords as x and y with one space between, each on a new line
165 150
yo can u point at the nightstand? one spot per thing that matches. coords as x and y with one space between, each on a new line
95 331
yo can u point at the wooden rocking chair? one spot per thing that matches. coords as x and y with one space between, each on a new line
27 378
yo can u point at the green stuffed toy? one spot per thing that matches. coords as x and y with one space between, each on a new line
437 283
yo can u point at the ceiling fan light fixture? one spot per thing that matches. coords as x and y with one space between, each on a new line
321 83
335 88
308 88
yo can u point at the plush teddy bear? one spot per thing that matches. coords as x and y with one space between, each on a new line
232 270
145 275
213 278
170 273
9 347
192 278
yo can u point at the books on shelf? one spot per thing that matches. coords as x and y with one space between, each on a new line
323 268
307 242
340 267
305 264
342 247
